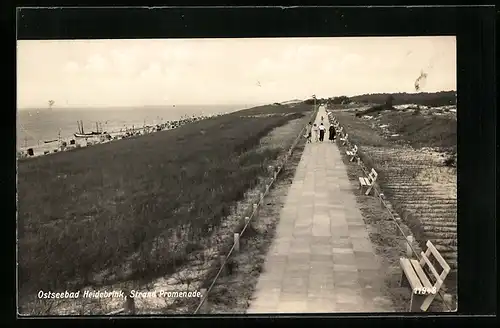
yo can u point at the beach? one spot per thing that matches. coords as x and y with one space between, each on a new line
34 126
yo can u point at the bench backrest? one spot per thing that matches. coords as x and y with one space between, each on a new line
373 175
425 261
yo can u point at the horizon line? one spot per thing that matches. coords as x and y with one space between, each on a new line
130 106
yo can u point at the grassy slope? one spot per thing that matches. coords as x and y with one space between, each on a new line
84 211
414 130
420 130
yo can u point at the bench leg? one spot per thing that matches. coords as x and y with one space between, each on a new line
403 282
427 302
361 189
369 190
416 302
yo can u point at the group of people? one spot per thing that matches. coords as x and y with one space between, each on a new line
317 132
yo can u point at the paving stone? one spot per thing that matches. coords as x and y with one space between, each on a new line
346 279
321 240
292 307
316 257
323 281
321 305
345 250
297 232
346 258
351 308
321 250
348 295
319 266
267 297
342 242
345 268
321 232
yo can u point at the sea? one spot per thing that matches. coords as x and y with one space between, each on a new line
35 126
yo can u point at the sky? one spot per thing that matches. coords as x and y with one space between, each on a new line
155 72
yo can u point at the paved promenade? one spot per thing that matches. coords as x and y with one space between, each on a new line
321 260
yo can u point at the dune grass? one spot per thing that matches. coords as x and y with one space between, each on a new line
415 130
422 130
149 200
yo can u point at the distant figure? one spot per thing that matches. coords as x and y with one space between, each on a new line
315 132
331 137
322 130
322 118
308 132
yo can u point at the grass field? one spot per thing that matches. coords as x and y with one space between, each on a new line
148 201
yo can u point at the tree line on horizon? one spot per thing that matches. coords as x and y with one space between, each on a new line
432 99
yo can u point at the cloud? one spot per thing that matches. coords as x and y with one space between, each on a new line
124 60
71 67
154 70
96 62
352 60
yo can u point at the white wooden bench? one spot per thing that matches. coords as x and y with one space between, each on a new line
368 182
344 139
353 153
423 291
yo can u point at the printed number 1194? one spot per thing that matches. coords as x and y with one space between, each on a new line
425 290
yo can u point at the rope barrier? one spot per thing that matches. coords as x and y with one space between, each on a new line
385 205
254 213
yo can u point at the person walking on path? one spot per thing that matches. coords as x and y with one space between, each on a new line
322 130
315 132
331 137
308 132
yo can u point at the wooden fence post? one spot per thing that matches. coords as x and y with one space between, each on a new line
381 198
129 305
237 242
409 251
